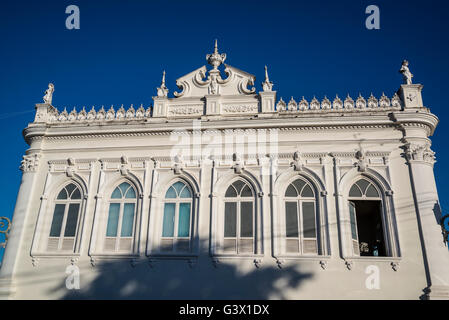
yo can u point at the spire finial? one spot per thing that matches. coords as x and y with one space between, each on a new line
163 79
267 85
162 91
216 46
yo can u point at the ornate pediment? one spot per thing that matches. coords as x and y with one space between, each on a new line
201 82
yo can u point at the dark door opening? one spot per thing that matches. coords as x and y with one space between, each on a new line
370 232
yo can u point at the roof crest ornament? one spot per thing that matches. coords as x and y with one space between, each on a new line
216 59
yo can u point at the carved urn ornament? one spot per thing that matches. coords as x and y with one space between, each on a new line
216 59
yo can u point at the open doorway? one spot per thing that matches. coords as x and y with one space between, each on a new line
367 227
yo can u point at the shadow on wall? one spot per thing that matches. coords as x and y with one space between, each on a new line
176 279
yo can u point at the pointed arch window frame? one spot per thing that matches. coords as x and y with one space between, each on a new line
240 198
219 187
119 239
176 202
389 224
299 199
65 199
52 188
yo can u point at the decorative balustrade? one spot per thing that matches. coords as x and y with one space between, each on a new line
360 104
339 105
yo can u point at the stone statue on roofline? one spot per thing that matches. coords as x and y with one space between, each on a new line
49 94
406 72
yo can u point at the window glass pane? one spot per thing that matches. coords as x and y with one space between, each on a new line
184 220
362 183
238 185
169 220
352 220
291 220
171 193
372 192
76 194
116 194
307 191
231 192
114 210
246 192
130 194
355 191
246 219
124 186
291 191
62 194
308 215
128 219
56 224
230 219
72 220
178 186
70 188
185 193
299 184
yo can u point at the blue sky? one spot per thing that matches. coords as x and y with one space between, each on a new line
117 57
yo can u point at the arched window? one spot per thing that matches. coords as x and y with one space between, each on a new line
121 217
366 219
64 225
177 220
239 220
300 218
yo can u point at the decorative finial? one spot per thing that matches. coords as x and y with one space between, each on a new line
49 94
267 85
407 75
162 91
163 79
216 59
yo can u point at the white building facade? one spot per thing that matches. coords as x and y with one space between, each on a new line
222 192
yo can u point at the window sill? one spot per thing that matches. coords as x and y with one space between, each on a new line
172 256
236 256
55 255
112 255
301 257
378 259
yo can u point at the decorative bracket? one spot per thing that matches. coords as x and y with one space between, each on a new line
124 165
297 163
238 164
361 163
349 264
178 164
70 170
215 262
323 264
395 265
257 262
280 263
